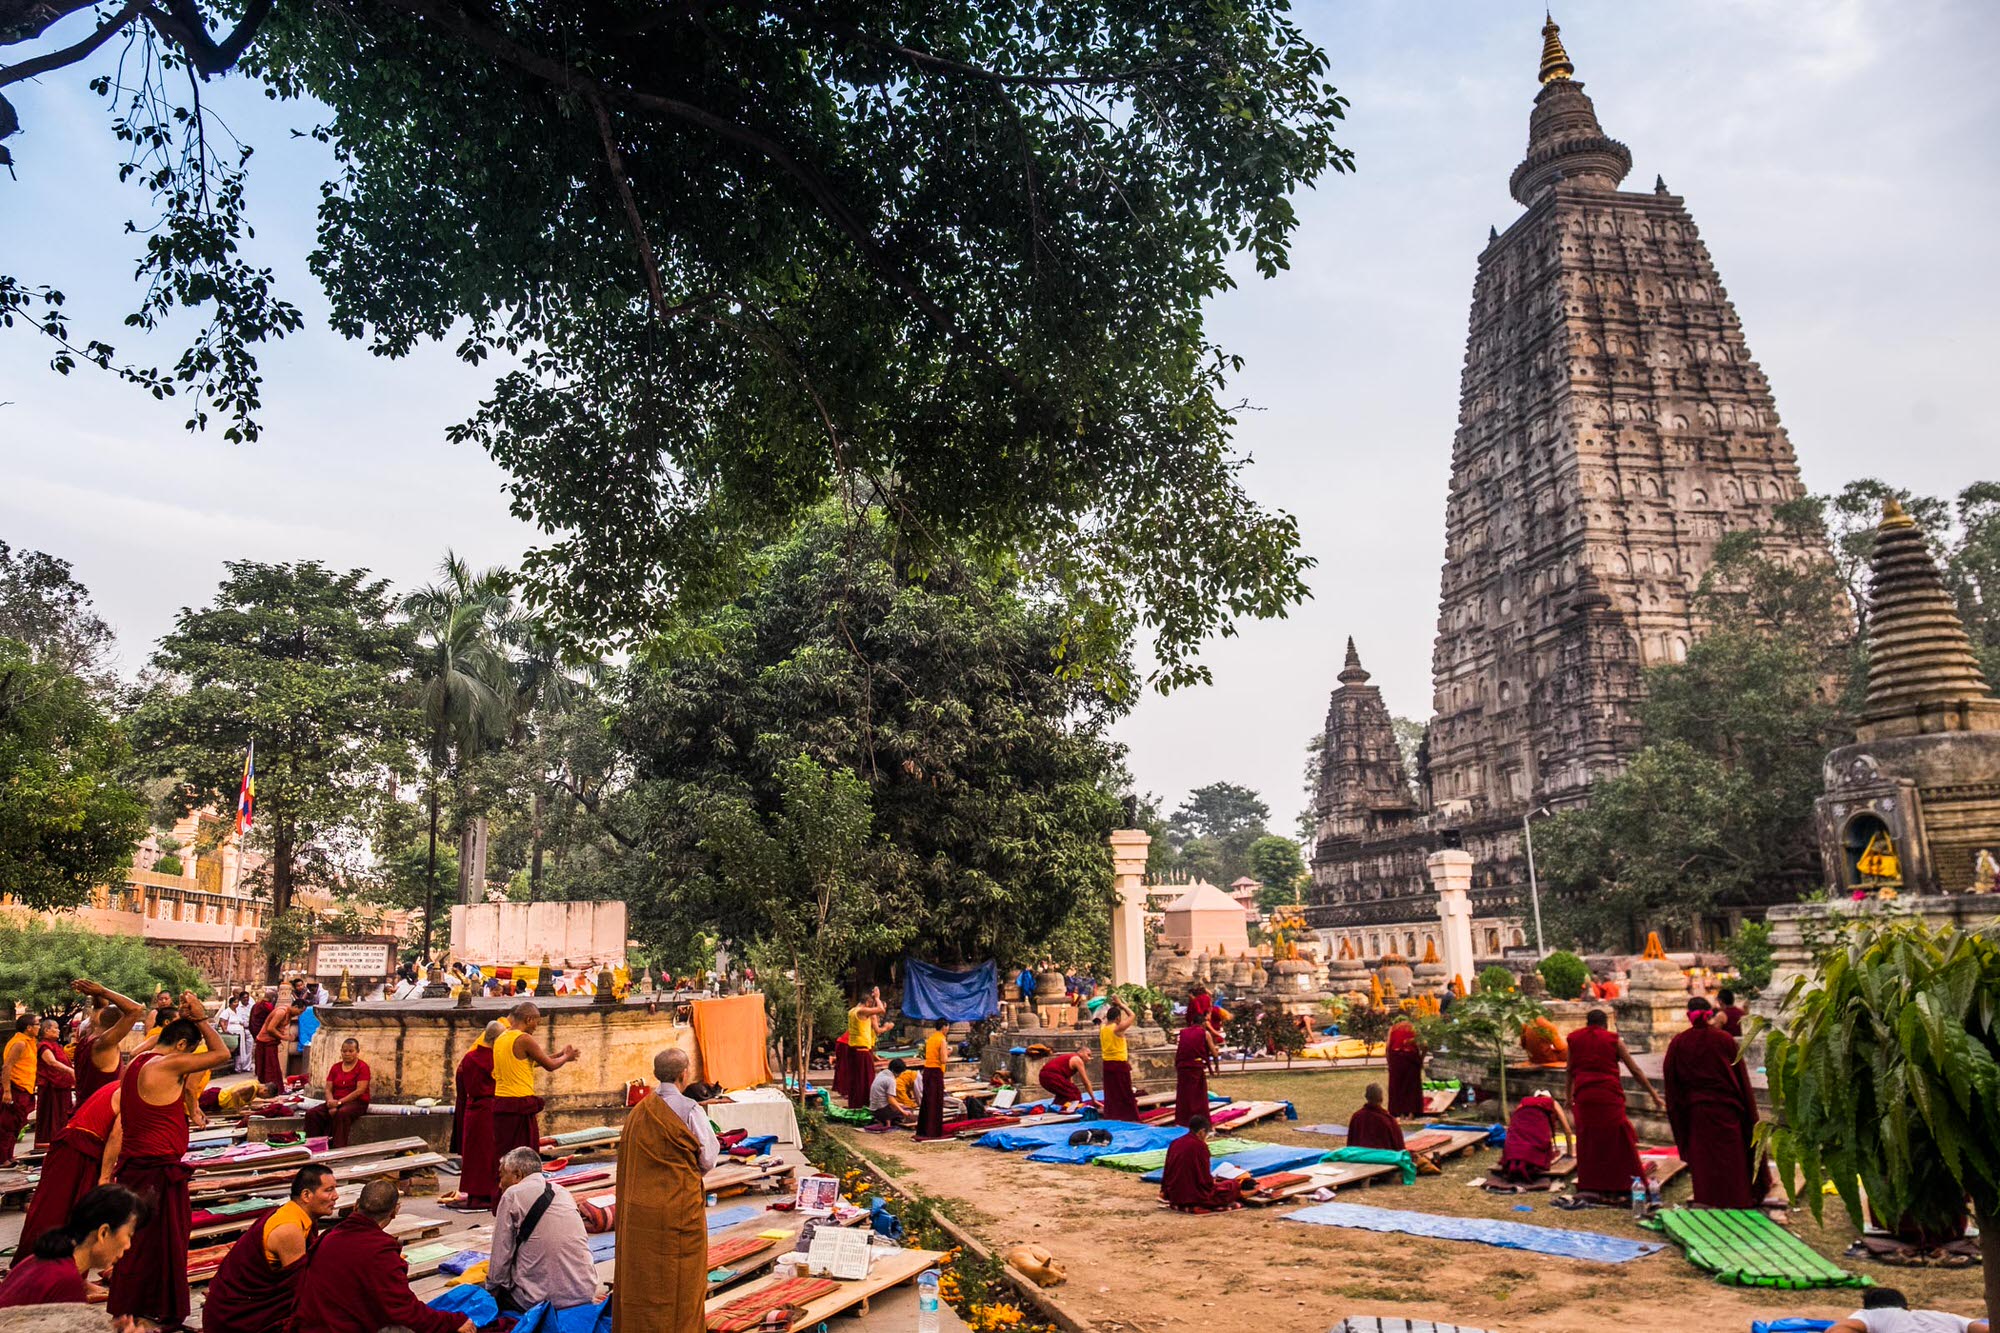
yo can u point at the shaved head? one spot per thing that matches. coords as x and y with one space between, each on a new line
669 1065
379 1200
494 1029
523 1011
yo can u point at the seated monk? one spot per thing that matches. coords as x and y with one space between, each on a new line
346 1097
1188 1181
1531 1138
905 1096
358 1279
1066 1078
1373 1126
257 1285
1544 1043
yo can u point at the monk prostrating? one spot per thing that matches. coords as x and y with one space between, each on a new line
257 1285
151 1281
1712 1110
1406 1073
1065 1077
1530 1149
1188 1182
517 1111
98 1058
1543 1043
357 1278
472 1124
660 1274
271 1042
1607 1150
1372 1126
1196 1044
81 1159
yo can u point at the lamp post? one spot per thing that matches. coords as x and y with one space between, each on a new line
1534 888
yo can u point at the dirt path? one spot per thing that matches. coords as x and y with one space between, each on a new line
1133 1265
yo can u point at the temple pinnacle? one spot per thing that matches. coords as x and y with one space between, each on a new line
1351 673
1555 60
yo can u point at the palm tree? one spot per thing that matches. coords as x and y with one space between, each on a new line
466 694
547 681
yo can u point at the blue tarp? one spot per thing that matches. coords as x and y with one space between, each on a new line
729 1217
960 997
1791 1326
1125 1137
1507 1235
545 1318
1262 1161
471 1300
1047 1136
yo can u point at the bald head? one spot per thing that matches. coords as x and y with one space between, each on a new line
493 1031
379 1201
524 1016
671 1065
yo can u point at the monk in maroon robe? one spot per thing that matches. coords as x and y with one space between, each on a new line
256 1288
1530 1149
472 1124
357 1278
1730 1015
95 1235
1188 1182
99 1061
74 1166
1712 1110
55 1082
1406 1073
1607 1149
1191 1054
1372 1126
1066 1078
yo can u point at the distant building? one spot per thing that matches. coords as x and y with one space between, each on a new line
1245 890
1204 920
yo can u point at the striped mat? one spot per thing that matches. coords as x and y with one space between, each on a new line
1744 1248
746 1312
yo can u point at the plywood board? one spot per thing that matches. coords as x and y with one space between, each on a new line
892 1268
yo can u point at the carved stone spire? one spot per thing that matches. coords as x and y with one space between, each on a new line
1351 672
1555 60
1922 676
1565 142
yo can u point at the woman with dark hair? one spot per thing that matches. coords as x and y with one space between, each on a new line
97 1233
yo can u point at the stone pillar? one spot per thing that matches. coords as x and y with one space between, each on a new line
1451 875
1128 915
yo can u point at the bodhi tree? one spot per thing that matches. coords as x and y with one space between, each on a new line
741 256
38 960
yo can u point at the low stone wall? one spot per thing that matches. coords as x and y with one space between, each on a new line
1152 1056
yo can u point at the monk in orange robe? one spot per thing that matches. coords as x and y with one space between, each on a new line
18 1065
661 1264
1544 1043
1372 1126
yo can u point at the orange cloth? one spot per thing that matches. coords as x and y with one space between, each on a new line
22 1054
1544 1043
731 1035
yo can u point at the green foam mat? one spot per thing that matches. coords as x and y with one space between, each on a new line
1744 1248
847 1117
1157 1158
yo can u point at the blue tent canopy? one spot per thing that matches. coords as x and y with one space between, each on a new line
931 992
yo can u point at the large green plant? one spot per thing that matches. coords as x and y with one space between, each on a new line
1885 1073
1749 951
38 960
1489 1021
1564 973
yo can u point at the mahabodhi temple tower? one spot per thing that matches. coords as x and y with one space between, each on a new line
1612 427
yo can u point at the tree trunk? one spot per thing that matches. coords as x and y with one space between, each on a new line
431 875
283 846
472 862
535 844
1989 1258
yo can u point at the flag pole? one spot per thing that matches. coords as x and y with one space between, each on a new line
236 872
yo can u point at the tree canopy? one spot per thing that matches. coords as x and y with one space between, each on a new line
38 960
741 257
44 608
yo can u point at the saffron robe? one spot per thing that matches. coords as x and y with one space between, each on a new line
661 1264
53 1101
1543 1043
1607 1149
472 1128
1058 1079
1406 1073
152 1279
1188 1181
1373 1127
1191 1074
1531 1140
1713 1112
247 1295
70 1170
356 1278
38 1281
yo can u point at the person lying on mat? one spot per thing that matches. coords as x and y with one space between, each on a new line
1372 1126
882 1108
1188 1183
1066 1078
1886 1310
1531 1138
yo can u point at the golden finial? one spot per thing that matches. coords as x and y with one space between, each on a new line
1894 516
1555 60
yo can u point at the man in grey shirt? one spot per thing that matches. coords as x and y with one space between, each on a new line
672 1068
539 1252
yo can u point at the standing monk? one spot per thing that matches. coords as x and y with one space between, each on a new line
517 1111
98 1059
265 1061
1607 1150
861 1047
271 1043
1406 1072
256 1287
1712 1110
1731 1015
660 1278
56 1078
18 1063
472 1123
1118 1102
151 1281
80 1160
1373 1127
930 1106
1191 1052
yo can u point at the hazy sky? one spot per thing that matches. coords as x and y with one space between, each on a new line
1838 156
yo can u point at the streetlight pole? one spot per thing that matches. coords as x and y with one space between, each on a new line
1534 888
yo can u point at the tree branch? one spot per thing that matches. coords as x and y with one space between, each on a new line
69 55
589 802
183 24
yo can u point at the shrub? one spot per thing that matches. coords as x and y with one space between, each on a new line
1749 950
1565 974
1495 979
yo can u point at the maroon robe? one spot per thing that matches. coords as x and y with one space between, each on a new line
1373 1127
1188 1183
1118 1101
247 1295
860 1076
151 1281
37 1281
69 1171
1607 1149
89 1078
1530 1149
54 1087
1406 1073
517 1123
356 1279
472 1129
17 1108
930 1105
1057 1079
336 1125
1713 1112
1191 1073
843 1071
267 1057
1732 1019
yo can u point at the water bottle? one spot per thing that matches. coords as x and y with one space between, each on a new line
1639 1198
927 1301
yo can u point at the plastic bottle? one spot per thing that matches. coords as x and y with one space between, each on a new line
927 1301
1639 1197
